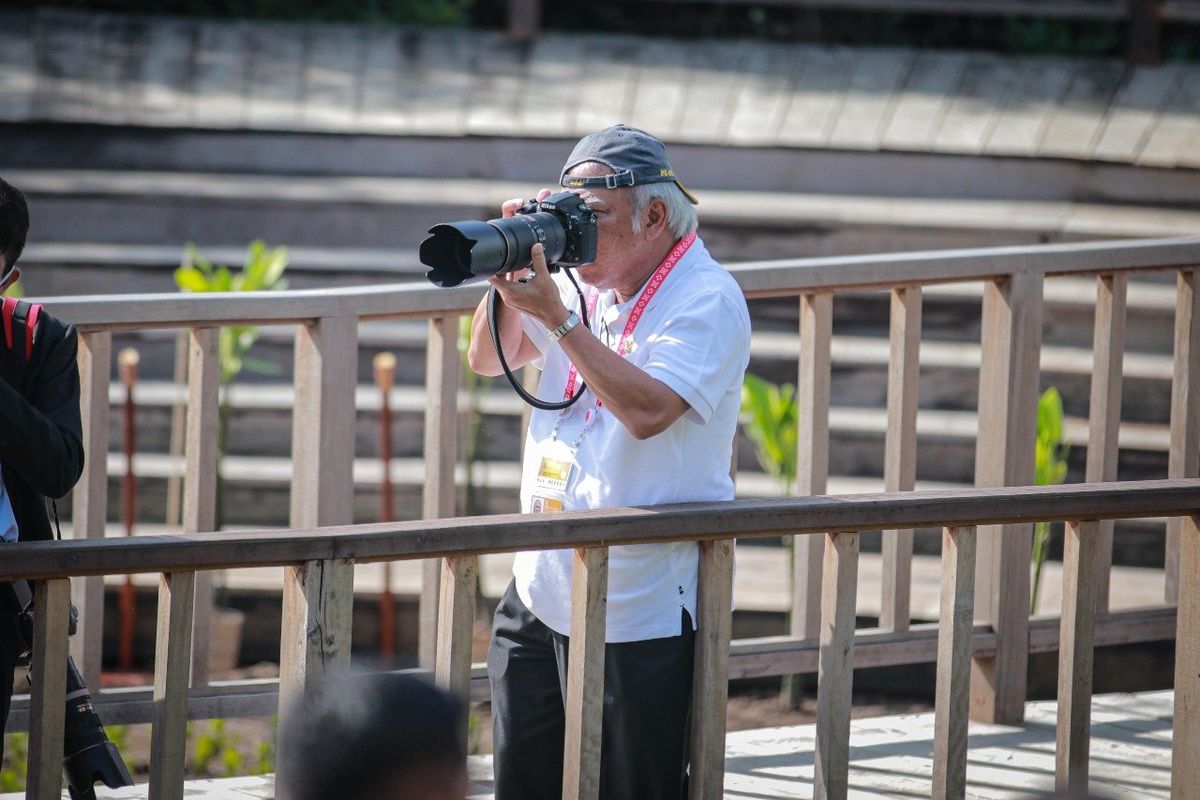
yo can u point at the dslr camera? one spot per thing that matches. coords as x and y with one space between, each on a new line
457 252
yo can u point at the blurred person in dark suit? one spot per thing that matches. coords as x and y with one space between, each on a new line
41 439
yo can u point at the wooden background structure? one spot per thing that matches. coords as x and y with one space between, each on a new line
980 645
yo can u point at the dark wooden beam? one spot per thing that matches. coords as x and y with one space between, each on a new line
602 528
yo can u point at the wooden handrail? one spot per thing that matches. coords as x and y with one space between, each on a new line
757 279
319 551
506 533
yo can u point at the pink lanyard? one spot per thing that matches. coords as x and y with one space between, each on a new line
635 315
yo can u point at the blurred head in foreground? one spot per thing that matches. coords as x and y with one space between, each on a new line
376 737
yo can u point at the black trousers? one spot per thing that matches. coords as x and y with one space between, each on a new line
647 705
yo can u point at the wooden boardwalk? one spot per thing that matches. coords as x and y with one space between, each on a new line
91 68
891 757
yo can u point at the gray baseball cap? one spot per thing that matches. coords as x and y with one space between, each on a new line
634 156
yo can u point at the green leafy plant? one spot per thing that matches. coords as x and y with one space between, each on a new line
262 271
16 752
218 744
1050 467
770 419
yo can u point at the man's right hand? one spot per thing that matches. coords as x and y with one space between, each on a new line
518 349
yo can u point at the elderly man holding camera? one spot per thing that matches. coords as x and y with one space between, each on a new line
662 358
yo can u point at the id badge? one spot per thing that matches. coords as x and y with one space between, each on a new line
555 467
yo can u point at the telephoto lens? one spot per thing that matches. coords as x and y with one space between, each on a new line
457 252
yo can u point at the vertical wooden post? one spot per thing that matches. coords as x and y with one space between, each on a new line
323 423
1145 31
1184 457
812 466
835 667
585 675
710 678
1185 743
318 601
1075 659
317 596
175 449
172 661
456 619
48 694
91 497
200 478
441 452
1004 456
955 623
900 451
1104 414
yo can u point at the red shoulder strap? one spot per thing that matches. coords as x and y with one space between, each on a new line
31 321
10 308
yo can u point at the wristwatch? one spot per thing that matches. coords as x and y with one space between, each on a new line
565 328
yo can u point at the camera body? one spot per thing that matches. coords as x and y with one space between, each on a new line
578 223
457 252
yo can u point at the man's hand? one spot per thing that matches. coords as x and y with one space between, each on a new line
518 350
536 295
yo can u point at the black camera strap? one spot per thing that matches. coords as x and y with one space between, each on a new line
493 308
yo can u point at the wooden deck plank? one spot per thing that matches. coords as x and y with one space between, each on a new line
922 104
1075 125
1134 112
164 94
660 89
275 76
606 86
761 101
498 87
870 98
63 48
1026 111
816 97
220 76
331 77
1167 145
116 58
443 62
18 72
987 84
387 83
712 90
555 67
233 73
891 757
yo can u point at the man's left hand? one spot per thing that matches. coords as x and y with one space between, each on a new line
536 296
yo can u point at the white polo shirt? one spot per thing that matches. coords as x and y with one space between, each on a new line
694 336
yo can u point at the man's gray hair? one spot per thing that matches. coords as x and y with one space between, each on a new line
681 214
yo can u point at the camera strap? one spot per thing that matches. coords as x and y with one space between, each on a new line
493 306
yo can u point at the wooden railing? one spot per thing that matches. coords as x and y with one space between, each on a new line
316 618
317 588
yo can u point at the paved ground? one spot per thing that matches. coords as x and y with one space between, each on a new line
891 757
70 67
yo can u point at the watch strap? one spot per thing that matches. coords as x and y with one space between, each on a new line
565 328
